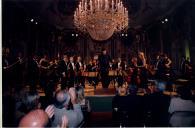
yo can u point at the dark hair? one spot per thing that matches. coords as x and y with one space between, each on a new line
30 101
185 92
133 90
103 49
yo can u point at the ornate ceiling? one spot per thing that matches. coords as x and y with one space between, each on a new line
60 12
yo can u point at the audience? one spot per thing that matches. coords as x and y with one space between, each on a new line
182 108
40 118
128 108
35 118
61 108
8 109
27 101
122 90
156 107
83 102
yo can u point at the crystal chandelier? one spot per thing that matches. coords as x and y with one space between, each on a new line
101 18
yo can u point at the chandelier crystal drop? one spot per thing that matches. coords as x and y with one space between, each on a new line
101 18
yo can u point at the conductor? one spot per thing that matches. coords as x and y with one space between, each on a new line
104 60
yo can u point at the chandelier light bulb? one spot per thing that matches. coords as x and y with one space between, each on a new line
32 20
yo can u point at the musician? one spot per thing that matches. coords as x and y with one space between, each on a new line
92 67
113 71
182 65
5 62
53 73
167 61
6 73
120 68
125 65
47 77
133 63
63 70
19 69
166 66
53 78
188 68
157 61
79 63
33 71
159 66
114 64
44 62
71 70
142 66
141 60
135 75
120 64
79 69
104 60
44 66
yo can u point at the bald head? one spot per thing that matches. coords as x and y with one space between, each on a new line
62 99
35 118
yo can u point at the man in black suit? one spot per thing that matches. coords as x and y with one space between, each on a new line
104 60
44 67
71 71
33 71
63 70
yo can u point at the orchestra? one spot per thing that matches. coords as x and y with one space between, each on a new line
72 70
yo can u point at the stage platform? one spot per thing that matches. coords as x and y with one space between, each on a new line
90 91
99 91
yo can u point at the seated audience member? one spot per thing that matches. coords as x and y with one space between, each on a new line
35 118
64 122
40 118
128 108
136 108
151 88
50 112
122 90
85 104
61 104
156 107
182 108
29 101
8 109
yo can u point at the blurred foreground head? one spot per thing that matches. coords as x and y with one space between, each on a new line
35 118
62 99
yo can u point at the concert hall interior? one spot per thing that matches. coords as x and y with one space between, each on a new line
98 63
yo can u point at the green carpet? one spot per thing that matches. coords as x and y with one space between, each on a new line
100 103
